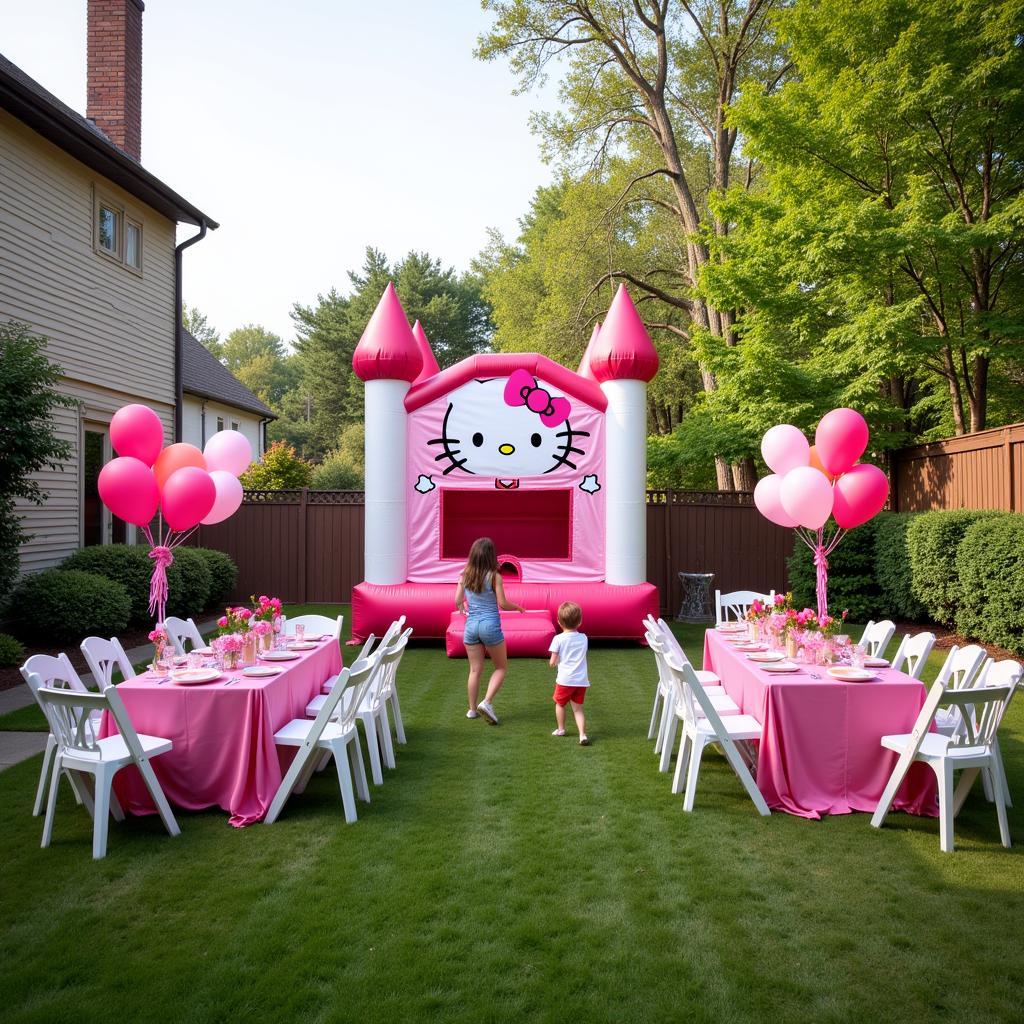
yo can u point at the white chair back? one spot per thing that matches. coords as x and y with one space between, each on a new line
386 684
314 624
962 667
55 672
736 604
180 630
681 694
72 713
876 636
912 653
103 656
1001 673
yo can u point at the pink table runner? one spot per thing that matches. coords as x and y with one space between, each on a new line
820 752
224 752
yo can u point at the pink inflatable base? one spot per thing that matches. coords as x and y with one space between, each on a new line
609 612
527 634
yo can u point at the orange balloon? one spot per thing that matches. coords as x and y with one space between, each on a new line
818 464
175 457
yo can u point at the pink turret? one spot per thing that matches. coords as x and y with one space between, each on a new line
585 370
430 367
388 350
623 350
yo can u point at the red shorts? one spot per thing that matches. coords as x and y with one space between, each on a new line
564 694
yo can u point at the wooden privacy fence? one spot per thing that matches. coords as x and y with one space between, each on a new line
307 546
983 470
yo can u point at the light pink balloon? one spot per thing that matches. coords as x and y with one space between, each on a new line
841 439
228 450
229 497
860 494
768 500
136 432
806 496
784 447
188 496
128 488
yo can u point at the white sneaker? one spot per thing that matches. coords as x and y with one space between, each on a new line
472 714
485 709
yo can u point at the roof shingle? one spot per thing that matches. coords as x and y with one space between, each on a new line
204 375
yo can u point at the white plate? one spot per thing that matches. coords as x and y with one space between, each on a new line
203 650
766 657
261 671
876 663
301 647
195 676
781 666
278 656
850 675
751 647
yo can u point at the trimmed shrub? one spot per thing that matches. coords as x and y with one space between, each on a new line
933 539
11 651
189 581
223 574
892 567
851 576
990 568
62 606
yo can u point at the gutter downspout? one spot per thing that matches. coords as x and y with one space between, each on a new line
179 407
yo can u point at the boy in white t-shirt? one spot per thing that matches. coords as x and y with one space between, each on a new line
569 652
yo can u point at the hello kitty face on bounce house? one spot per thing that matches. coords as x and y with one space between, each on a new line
508 428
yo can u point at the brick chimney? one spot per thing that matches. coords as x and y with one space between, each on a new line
114 80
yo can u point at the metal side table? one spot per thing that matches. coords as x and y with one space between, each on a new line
696 604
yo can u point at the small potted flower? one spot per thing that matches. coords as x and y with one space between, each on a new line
159 639
266 614
228 647
237 622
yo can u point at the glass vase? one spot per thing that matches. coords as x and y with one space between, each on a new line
249 651
791 647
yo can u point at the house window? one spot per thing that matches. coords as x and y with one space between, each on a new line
99 526
220 422
234 425
117 236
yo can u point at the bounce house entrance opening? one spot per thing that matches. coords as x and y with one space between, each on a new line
531 524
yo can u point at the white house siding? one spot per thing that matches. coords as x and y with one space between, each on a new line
111 330
192 422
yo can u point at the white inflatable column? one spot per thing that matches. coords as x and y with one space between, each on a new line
385 527
625 482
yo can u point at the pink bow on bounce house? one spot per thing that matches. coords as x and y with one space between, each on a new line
523 389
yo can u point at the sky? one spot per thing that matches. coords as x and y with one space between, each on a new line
310 130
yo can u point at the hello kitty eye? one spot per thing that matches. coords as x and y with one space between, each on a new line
535 440
478 439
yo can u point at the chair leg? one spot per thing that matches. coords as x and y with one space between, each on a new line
944 774
355 753
659 740
967 777
115 807
348 800
396 709
302 756
157 793
735 759
696 750
668 739
999 761
384 732
51 803
654 715
101 821
372 748
44 774
684 753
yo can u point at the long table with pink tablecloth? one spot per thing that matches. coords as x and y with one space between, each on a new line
820 751
224 753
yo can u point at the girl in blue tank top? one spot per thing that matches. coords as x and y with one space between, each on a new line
479 596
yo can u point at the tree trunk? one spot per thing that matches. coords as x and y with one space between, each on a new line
744 475
978 395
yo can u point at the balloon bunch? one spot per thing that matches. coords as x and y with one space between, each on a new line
809 483
189 487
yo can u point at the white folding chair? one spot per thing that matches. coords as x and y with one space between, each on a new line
339 737
78 750
180 630
321 624
876 637
960 671
981 710
733 734
367 648
674 710
103 656
56 672
912 654
737 603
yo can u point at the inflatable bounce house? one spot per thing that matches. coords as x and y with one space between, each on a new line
550 464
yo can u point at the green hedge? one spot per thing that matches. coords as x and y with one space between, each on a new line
851 576
223 574
932 540
893 568
63 606
189 580
990 566
12 653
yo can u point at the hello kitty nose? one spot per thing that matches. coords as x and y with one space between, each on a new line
506 449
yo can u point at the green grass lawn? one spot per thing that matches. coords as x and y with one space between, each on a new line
502 874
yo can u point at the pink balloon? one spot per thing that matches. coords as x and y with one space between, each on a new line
806 496
136 432
128 488
860 494
228 450
784 448
769 501
841 439
229 497
188 496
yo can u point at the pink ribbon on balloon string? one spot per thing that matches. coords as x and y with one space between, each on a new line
821 549
162 559
522 389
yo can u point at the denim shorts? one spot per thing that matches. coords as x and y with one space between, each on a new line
483 631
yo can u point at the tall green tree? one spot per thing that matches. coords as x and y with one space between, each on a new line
198 325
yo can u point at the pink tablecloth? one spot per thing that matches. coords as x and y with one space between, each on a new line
224 752
820 751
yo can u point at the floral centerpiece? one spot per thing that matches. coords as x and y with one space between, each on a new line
234 620
159 639
266 614
760 613
231 646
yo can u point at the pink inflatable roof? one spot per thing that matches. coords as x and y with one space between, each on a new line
430 366
501 364
388 350
623 349
585 370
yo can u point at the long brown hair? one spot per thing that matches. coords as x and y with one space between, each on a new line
481 565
